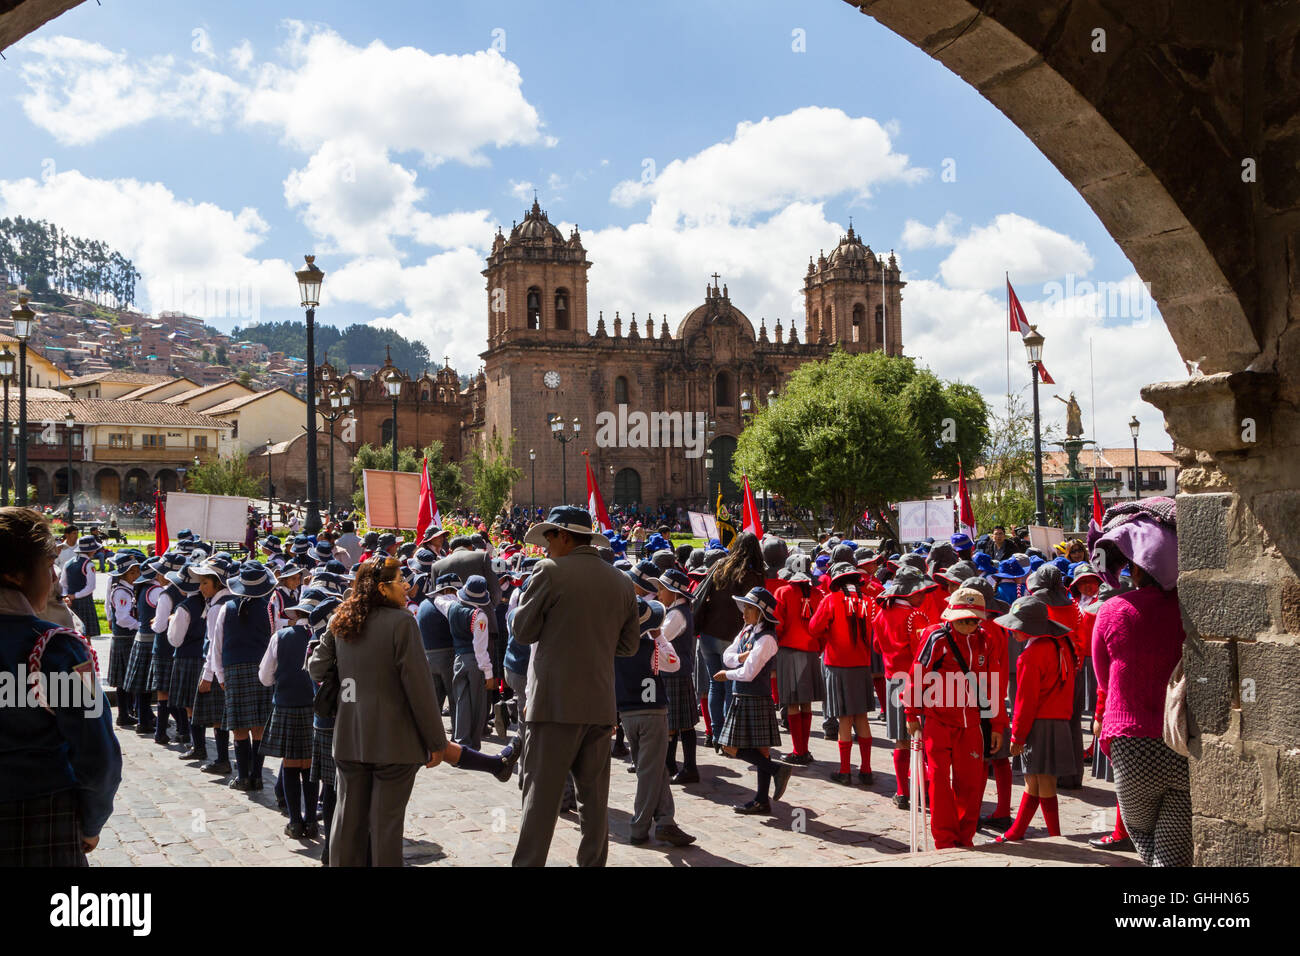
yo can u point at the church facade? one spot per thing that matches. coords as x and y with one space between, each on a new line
546 359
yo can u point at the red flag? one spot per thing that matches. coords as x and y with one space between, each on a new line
595 503
749 519
428 511
1016 314
1043 376
965 513
161 540
1098 511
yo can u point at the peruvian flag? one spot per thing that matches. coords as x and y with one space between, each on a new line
965 513
428 512
1043 376
595 503
1098 511
1015 312
161 540
749 520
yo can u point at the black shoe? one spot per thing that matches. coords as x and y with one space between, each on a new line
781 780
619 750
798 760
509 757
311 831
127 721
842 777
867 778
295 830
685 777
754 808
1108 842
254 783
672 833
240 783
146 729
901 801
631 768
219 767
672 769
995 823
280 804
162 739
708 740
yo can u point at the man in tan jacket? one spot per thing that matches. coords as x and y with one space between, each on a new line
580 613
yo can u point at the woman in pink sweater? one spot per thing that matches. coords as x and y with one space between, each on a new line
1137 642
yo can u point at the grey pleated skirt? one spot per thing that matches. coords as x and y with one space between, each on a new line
683 705
849 691
751 722
799 676
1050 749
119 654
895 718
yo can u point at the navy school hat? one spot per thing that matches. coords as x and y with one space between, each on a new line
650 613
679 582
475 592
762 599
254 580
645 575
448 581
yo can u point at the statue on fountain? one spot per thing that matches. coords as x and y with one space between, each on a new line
1073 416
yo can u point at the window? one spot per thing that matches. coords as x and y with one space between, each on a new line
880 325
534 308
620 390
152 441
722 390
830 323
386 432
119 440
562 308
859 320
201 441
816 323
627 487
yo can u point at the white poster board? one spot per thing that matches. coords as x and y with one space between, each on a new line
697 524
918 520
1044 538
211 517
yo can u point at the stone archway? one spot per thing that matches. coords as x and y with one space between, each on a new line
40 481
108 486
168 480
137 486
1175 123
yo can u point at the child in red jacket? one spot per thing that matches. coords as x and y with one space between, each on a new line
799 679
843 624
1040 727
951 684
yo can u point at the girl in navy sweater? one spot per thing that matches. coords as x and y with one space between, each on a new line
289 733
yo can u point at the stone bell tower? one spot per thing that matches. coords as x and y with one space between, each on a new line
853 298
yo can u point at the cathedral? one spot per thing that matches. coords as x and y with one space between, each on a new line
544 361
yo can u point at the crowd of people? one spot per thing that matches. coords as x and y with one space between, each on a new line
989 661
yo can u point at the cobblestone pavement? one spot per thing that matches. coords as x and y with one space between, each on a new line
168 813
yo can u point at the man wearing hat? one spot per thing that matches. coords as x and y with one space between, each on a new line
77 582
465 562
580 613
435 634
953 686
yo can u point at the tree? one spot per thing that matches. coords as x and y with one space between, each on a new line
446 478
858 431
245 378
492 475
1006 488
221 355
224 476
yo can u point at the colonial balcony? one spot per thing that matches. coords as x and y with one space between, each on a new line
174 454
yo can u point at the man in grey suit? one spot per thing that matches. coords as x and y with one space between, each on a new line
465 562
580 613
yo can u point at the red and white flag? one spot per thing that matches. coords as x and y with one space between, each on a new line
1098 510
428 513
1019 322
595 503
161 539
1043 376
749 519
965 513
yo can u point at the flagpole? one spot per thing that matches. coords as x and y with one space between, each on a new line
1092 378
1007 330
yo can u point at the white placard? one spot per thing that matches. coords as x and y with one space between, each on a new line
918 520
211 517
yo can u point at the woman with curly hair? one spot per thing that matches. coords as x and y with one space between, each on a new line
389 722
718 618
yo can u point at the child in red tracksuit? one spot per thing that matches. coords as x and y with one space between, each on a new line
798 668
896 629
843 624
1040 727
950 683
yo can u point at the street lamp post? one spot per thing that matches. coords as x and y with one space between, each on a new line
270 489
338 400
771 400
1034 346
394 385
557 432
309 283
7 363
708 458
68 423
24 321
1133 426
532 463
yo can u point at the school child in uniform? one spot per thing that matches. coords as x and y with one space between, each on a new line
210 696
750 728
998 759
472 671
273 548
897 629
241 633
1084 584
288 581
136 682
77 581
160 661
289 731
1040 724
120 610
322 772
300 552
643 711
843 625
947 688
679 630
185 633
1047 583
799 677
868 562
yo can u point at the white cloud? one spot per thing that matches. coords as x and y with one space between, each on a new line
1027 250
523 191
769 164
241 56
79 91
917 235
194 257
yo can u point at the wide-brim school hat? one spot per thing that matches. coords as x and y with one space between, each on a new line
645 575
87 544
964 603
122 563
906 582
386 540
990 592
271 543
322 551
650 613
1010 570
844 570
149 568
1028 615
762 599
289 570
209 568
475 592
433 534
370 541
914 560
1083 571
956 573
309 599
961 542
622 564
448 582
678 582
866 559
182 580
254 580
576 521
323 610
1046 583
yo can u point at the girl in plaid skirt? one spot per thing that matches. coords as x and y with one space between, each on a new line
683 708
289 732
209 697
136 682
121 618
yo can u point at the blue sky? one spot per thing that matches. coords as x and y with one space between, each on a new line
217 143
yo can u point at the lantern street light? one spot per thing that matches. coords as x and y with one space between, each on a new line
338 401
68 423
270 488
1133 427
309 283
771 397
532 462
557 432
394 385
1034 347
24 320
7 366
746 403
